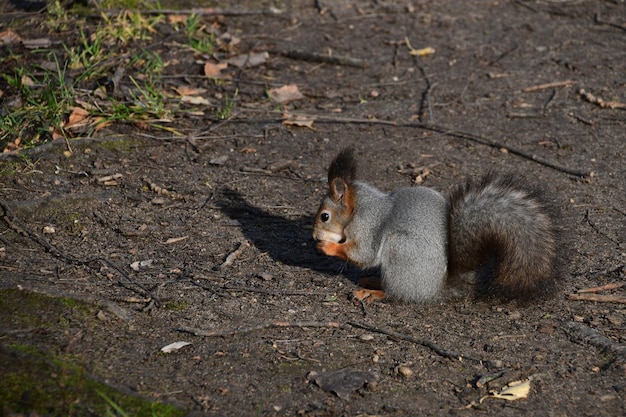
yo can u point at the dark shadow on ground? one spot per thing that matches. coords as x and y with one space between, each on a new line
288 241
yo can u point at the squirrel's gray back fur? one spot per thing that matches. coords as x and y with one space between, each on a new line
413 260
498 227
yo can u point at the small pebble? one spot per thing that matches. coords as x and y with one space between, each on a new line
221 160
515 315
405 371
266 277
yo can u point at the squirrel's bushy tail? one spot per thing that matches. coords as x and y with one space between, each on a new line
504 230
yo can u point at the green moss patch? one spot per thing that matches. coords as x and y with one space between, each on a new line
35 382
54 384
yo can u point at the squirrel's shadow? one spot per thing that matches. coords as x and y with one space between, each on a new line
286 240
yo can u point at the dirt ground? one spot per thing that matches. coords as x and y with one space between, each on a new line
152 264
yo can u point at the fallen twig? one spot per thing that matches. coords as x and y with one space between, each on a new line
600 21
460 134
439 129
425 104
326 324
12 222
600 102
549 102
582 119
498 145
581 333
610 286
547 86
599 298
275 291
234 254
162 191
485 379
423 342
133 300
326 59
261 326
120 271
596 228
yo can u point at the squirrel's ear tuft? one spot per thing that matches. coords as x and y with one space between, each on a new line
343 166
338 189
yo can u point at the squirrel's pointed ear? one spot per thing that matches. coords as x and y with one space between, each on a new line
338 189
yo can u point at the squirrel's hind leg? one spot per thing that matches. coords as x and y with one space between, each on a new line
371 290
368 295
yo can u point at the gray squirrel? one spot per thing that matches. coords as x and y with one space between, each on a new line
497 227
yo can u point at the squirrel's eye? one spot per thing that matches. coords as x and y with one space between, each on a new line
325 217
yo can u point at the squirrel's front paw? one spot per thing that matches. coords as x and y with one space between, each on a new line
333 249
326 247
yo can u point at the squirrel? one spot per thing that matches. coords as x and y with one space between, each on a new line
498 228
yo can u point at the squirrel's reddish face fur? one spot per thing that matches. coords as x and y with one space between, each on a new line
330 222
336 210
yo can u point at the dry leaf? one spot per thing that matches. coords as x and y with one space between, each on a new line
27 81
189 91
86 105
100 92
295 120
78 115
285 93
174 346
57 134
177 18
215 70
515 391
80 119
195 100
249 60
8 37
